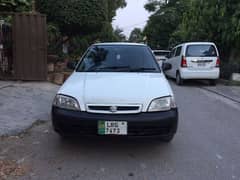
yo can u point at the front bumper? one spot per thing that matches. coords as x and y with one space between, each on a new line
142 124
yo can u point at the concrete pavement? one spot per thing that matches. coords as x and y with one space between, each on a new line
22 104
232 92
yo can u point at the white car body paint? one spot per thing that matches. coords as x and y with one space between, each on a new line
116 88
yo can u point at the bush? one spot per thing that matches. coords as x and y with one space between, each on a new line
228 68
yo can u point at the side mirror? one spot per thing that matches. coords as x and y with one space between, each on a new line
166 66
72 65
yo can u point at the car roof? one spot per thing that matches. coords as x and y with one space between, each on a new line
119 43
195 43
160 50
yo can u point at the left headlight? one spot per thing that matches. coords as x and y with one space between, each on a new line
66 102
162 104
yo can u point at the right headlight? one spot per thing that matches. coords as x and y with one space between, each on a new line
162 104
66 102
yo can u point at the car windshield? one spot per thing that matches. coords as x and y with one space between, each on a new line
118 58
159 53
201 51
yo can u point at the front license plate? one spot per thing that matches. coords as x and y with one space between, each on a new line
112 128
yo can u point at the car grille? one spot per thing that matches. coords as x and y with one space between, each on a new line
116 109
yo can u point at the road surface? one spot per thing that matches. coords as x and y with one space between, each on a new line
207 146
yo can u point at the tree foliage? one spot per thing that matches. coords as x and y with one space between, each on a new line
83 21
75 16
119 36
177 21
136 35
15 5
113 5
164 21
214 20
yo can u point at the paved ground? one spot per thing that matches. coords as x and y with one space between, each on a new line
22 104
207 146
232 92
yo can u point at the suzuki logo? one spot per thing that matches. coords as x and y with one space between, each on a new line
113 109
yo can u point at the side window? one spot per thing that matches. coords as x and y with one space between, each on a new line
172 53
178 51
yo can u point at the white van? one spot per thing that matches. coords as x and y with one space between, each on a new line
194 60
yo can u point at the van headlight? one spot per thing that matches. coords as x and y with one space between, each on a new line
66 102
162 104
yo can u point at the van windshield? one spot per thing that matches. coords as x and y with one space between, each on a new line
201 51
118 58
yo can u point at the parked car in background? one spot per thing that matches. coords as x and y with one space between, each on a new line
194 60
116 89
161 56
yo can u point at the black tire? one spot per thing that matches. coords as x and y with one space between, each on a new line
168 138
179 80
213 82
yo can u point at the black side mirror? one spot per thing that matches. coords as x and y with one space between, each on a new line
166 66
72 65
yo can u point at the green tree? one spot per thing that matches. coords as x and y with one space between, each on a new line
15 5
75 16
166 17
119 36
136 35
113 5
83 21
217 21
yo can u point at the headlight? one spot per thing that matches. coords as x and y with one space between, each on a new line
66 102
162 104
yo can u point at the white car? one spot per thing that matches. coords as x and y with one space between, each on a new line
194 60
116 89
161 56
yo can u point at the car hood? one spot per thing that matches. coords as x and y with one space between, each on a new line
116 88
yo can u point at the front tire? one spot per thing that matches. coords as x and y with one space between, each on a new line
179 80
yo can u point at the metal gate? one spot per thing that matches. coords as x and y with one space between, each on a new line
29 48
6 61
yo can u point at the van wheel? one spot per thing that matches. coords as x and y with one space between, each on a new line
179 80
213 82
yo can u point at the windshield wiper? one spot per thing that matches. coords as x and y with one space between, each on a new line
142 69
113 67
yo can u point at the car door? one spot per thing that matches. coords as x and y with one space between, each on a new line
170 60
177 60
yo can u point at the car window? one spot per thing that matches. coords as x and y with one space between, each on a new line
172 53
202 50
157 53
121 58
178 51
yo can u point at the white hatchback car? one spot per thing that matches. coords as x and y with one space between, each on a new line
161 56
116 89
195 60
